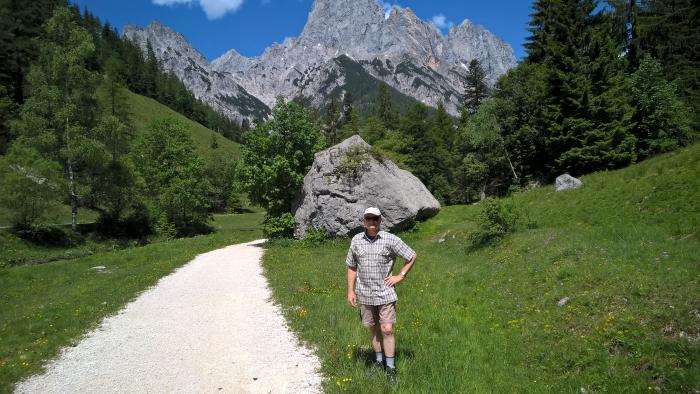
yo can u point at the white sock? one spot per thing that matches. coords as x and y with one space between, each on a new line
380 356
390 362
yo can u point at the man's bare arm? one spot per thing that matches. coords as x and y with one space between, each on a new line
407 265
352 274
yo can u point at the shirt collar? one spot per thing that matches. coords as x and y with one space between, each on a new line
370 239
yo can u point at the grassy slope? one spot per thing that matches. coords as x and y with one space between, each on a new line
48 306
144 110
624 248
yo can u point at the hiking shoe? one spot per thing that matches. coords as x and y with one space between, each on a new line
378 364
391 375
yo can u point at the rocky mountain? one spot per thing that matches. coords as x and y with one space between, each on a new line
409 54
340 37
176 55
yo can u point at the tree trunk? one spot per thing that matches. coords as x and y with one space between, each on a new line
71 184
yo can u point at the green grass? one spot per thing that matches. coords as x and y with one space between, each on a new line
625 249
144 110
49 306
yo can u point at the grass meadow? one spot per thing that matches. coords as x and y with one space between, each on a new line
625 250
49 306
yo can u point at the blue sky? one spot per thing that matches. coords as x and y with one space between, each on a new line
249 26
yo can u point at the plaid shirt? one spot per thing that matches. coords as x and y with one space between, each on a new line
374 260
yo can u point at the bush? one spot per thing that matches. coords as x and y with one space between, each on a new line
278 226
48 235
315 236
355 160
496 220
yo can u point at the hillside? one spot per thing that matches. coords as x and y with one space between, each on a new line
144 110
623 249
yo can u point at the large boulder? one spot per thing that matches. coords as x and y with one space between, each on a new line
347 178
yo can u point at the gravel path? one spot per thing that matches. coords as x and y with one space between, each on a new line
207 328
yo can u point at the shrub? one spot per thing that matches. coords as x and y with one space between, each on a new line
355 159
315 236
495 221
278 226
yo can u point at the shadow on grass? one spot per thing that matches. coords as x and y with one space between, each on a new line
367 355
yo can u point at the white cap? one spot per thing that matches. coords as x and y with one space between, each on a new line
372 211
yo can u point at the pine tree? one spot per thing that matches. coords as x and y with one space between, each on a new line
331 122
20 27
669 31
475 88
540 29
385 109
585 104
7 112
151 72
347 107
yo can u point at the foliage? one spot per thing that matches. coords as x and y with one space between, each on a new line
56 118
495 221
7 112
668 30
662 120
30 186
314 237
482 157
277 155
332 121
475 88
221 172
281 226
174 179
385 110
355 160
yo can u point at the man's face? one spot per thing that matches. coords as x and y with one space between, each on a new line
371 224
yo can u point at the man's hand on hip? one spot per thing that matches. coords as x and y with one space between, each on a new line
351 299
390 281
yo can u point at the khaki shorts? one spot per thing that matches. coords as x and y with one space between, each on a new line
378 314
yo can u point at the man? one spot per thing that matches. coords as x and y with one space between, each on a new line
370 262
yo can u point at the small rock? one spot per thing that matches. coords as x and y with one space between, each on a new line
98 267
563 301
567 182
255 378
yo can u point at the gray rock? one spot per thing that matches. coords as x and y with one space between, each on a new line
98 267
345 179
563 301
567 182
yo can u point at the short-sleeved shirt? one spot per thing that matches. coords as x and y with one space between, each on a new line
374 260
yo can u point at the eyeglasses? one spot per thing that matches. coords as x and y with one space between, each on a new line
373 218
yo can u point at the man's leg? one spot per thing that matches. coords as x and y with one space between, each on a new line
376 342
388 340
370 319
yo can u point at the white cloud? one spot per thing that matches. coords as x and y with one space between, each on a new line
440 21
214 9
387 7
171 2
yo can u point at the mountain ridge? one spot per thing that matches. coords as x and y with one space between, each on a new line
416 58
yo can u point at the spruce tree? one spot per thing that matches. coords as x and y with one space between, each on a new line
384 108
331 122
475 88
669 31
